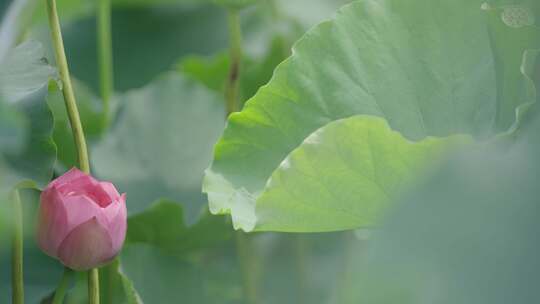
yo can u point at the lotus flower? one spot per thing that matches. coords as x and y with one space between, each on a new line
82 221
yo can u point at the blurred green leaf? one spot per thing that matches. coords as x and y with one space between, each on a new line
164 278
162 225
10 24
161 143
78 294
256 72
68 11
288 20
376 58
511 38
115 287
342 176
41 273
28 153
72 10
210 71
146 42
467 235
92 119
132 295
287 268
307 13
236 4
138 29
12 126
34 160
24 71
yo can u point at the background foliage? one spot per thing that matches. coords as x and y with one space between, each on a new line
417 116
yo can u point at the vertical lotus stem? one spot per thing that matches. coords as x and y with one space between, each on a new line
243 243
300 250
74 119
17 253
249 267
235 49
106 86
60 291
105 56
67 90
93 286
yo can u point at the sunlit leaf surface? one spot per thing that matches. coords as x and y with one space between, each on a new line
379 58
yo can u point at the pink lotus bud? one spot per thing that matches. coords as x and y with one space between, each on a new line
82 221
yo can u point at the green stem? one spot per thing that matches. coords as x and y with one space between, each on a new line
17 254
106 77
108 281
300 253
93 286
60 291
247 260
235 48
74 119
69 96
274 9
249 267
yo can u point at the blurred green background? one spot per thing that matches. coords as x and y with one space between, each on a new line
466 234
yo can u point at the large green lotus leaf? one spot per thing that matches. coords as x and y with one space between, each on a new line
514 32
161 143
466 235
162 225
342 176
381 58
